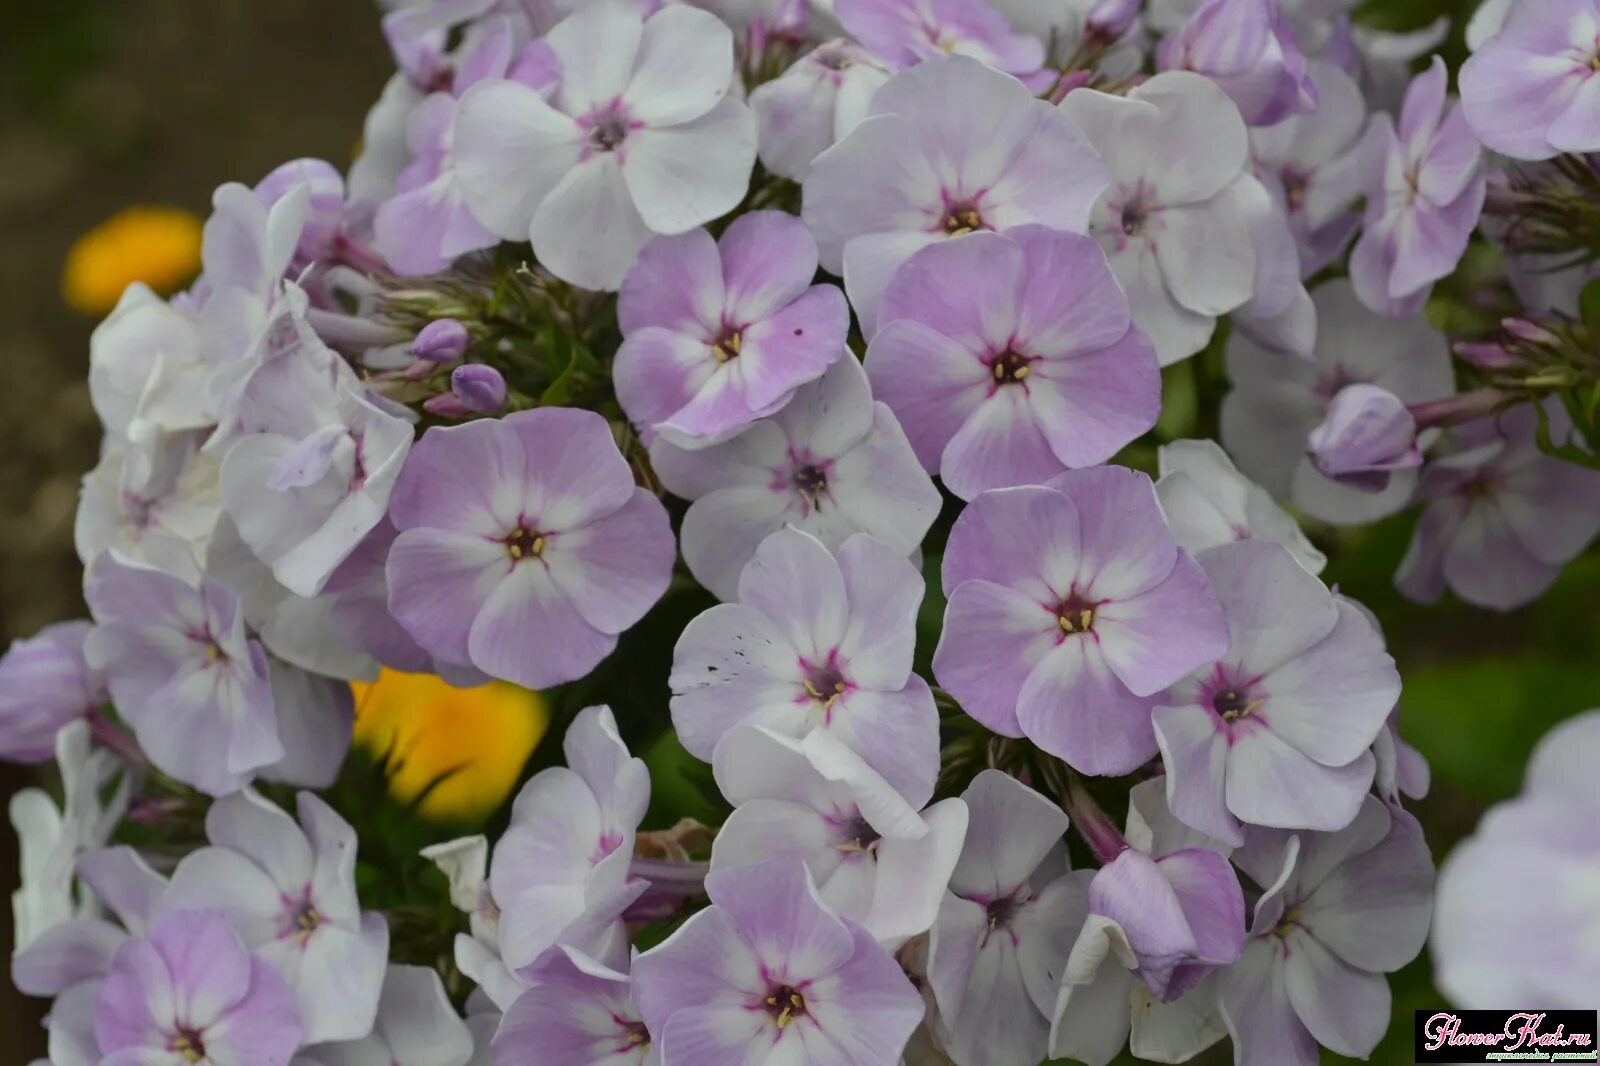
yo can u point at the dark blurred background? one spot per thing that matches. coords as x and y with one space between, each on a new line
106 103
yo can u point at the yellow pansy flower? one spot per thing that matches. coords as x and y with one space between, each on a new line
427 728
157 245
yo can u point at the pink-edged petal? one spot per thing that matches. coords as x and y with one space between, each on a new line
1273 784
1346 1009
965 289
1162 634
1126 547
439 582
731 663
1194 751
1255 1005
1025 538
530 632
1073 706
932 384
896 733
615 569
683 68
768 261
1091 405
795 581
991 638
676 284
686 175
1332 701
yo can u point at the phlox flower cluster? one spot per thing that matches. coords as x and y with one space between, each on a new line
793 392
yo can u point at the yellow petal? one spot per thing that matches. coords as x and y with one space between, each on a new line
157 245
427 728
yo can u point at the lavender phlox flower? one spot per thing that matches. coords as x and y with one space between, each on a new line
1313 166
560 872
192 992
643 143
1278 730
998 950
1190 233
1531 90
289 890
1425 189
1277 402
815 642
576 1011
907 32
951 147
768 974
183 672
875 859
525 547
69 960
1070 608
1103 1003
426 224
718 333
1011 357
1502 517
1539 850
1338 911
46 683
1249 49
832 463
1208 503
309 456
814 104
154 485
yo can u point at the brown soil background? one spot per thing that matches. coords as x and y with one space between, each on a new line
103 104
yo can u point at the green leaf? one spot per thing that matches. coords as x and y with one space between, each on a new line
577 368
1180 402
1589 305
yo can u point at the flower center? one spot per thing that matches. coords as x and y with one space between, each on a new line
187 1043
1010 368
785 1003
824 685
608 132
1002 912
1478 489
859 836
728 345
1233 704
524 543
637 1034
810 481
1290 919
1135 216
961 218
1295 185
1075 615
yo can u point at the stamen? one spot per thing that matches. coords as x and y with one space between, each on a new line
728 346
1079 620
784 1004
961 219
524 543
1010 368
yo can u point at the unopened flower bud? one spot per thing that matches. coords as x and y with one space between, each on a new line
1367 435
443 341
479 387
